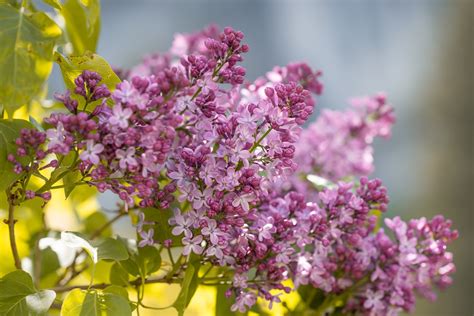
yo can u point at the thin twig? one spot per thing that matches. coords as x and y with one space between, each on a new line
62 279
107 225
61 289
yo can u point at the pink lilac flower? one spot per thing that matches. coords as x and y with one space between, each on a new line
120 116
192 245
373 300
126 158
339 143
91 153
243 302
56 137
182 226
212 231
147 238
243 201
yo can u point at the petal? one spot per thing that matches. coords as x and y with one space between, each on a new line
177 231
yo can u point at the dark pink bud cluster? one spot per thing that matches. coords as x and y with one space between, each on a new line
87 85
293 99
197 66
298 72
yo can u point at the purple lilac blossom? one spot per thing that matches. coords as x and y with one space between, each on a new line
185 132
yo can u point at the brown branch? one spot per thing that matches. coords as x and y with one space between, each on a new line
62 279
101 229
164 279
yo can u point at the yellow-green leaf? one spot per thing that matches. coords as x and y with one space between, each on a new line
188 286
95 303
112 249
73 66
54 3
118 275
26 51
82 24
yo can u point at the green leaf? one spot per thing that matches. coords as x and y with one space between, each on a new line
54 3
312 296
73 66
130 266
73 175
112 249
82 24
223 304
161 227
94 222
95 303
9 132
121 291
118 290
49 261
141 262
107 249
18 295
27 41
189 286
118 275
148 259
378 215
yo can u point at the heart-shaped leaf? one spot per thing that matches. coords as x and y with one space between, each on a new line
112 249
118 275
95 303
18 296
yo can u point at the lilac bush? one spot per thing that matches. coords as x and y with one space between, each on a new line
224 171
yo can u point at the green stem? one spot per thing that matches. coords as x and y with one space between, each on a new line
196 94
257 143
171 256
254 146
207 272
11 228
155 308
62 185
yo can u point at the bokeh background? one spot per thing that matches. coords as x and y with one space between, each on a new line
420 52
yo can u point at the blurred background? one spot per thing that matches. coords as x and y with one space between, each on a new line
420 52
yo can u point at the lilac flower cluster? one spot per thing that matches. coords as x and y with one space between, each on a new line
342 221
184 132
339 143
414 262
